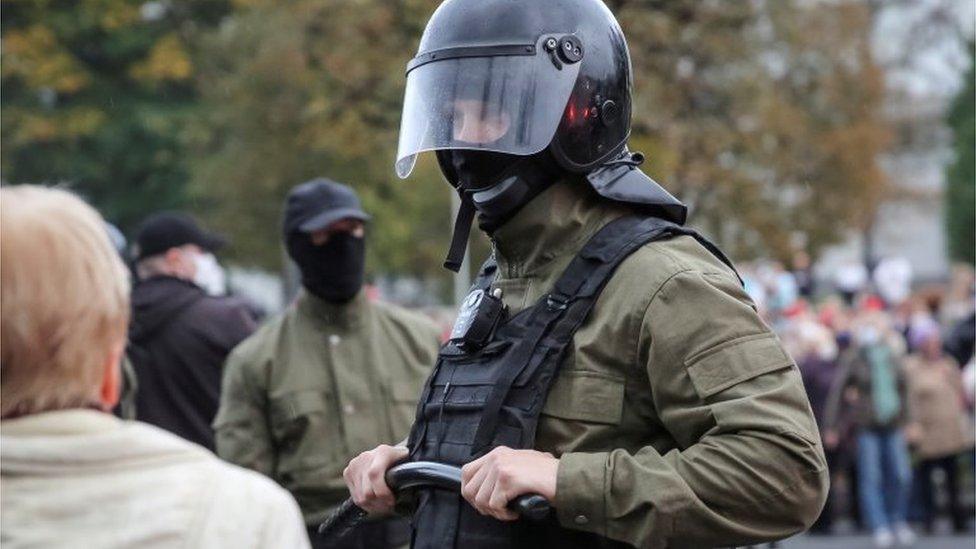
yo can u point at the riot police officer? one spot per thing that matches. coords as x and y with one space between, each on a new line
608 357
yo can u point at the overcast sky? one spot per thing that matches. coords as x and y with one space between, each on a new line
923 45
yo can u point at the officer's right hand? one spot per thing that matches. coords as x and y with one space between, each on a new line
365 477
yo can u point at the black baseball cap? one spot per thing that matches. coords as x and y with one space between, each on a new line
318 203
165 230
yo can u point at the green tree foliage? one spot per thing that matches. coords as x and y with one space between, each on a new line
95 94
961 176
307 89
763 116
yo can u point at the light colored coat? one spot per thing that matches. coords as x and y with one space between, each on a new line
82 478
936 393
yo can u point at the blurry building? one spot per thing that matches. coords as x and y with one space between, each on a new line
921 44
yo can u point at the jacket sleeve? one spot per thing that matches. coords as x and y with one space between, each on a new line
907 412
746 464
241 428
911 372
233 323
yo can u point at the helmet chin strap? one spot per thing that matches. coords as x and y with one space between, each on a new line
462 230
497 202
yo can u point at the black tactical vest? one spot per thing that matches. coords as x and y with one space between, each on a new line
492 396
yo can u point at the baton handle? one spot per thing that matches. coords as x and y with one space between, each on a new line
423 474
342 520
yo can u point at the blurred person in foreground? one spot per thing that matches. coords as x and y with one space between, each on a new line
941 429
870 392
332 376
74 475
182 326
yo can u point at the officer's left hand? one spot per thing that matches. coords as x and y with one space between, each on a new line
490 482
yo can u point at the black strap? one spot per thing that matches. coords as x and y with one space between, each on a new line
459 241
539 322
576 292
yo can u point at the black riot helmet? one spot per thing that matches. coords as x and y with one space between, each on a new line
534 74
544 82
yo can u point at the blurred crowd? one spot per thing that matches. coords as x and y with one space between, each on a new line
887 364
889 370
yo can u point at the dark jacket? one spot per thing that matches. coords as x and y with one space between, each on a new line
850 403
178 340
818 378
962 339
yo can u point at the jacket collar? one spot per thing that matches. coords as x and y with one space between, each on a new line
57 442
73 421
339 315
555 223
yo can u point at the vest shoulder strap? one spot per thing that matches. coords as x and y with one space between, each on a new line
552 322
592 267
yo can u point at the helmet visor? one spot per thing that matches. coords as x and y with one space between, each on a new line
502 103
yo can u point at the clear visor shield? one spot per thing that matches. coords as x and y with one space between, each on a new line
502 103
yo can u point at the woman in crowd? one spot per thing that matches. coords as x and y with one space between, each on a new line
940 429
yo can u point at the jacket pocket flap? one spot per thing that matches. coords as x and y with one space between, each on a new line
736 361
298 404
586 396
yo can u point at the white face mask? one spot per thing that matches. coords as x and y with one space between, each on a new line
869 335
209 276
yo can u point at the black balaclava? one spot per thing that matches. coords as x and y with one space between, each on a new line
493 184
332 271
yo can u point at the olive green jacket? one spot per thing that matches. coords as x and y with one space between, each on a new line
316 386
678 418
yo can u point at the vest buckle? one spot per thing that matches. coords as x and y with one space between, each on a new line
556 302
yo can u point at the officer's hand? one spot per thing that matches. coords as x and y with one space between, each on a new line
365 477
503 474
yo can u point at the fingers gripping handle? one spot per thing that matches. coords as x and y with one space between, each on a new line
531 506
428 474
423 474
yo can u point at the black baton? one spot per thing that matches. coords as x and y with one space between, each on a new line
423 474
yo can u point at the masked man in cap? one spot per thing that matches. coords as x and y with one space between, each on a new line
607 358
182 326
332 376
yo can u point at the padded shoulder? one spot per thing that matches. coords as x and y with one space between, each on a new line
649 267
262 343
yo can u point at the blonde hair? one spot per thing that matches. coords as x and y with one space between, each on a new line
64 300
